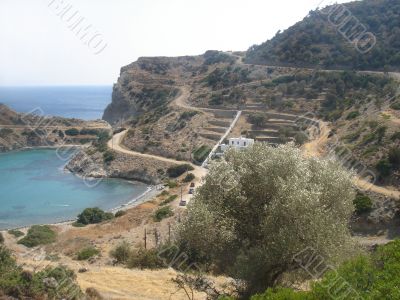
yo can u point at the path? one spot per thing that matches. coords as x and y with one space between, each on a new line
317 147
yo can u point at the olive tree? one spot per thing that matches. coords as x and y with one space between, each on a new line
260 207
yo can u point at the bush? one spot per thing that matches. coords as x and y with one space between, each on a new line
87 253
172 184
89 131
145 259
257 119
121 253
394 157
176 171
1 238
72 132
384 167
93 216
395 106
352 115
189 177
201 153
120 213
362 204
16 233
108 156
162 213
19 284
283 294
38 235
169 200
370 277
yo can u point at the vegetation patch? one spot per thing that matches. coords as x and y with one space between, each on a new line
163 213
17 283
38 235
176 171
87 253
201 153
168 200
72 132
120 213
16 233
362 203
108 156
189 177
93 216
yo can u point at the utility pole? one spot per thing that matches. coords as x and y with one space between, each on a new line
145 238
156 236
169 233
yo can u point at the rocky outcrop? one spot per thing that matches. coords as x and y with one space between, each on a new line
149 83
91 165
19 130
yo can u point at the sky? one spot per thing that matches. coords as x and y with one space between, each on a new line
43 42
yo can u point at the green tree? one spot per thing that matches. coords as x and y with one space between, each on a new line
260 207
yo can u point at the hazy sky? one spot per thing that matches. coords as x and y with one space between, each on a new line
39 48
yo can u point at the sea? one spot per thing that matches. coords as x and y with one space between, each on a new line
82 102
34 186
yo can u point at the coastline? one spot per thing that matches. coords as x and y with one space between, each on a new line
147 195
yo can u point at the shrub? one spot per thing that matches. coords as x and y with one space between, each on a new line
362 203
352 115
87 253
395 136
20 284
370 277
93 216
121 253
1 238
201 153
395 106
242 219
172 184
283 294
394 157
257 119
120 213
169 200
101 142
38 235
189 177
384 167
162 213
72 132
145 259
16 233
108 156
89 131
176 171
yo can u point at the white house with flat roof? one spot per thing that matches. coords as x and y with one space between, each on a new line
237 143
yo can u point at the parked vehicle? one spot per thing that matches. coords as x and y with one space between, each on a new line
191 191
192 185
182 203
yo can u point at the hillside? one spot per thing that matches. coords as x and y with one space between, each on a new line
19 130
316 40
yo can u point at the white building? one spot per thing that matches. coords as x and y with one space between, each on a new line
237 143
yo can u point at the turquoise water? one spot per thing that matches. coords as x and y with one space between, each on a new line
82 102
35 189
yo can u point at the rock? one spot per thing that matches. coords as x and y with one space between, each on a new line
83 270
50 282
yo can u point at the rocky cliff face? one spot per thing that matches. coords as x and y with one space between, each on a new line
148 84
